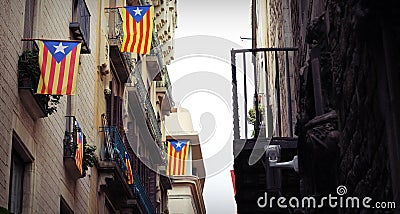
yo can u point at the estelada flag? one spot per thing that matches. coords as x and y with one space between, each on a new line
129 173
79 148
137 28
178 152
58 62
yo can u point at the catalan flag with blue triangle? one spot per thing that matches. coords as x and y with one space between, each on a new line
79 148
178 152
129 173
58 62
137 28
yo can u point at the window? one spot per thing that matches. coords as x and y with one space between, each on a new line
80 25
64 208
20 192
16 183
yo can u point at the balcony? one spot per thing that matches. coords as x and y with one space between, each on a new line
164 93
37 105
154 63
70 148
112 168
140 194
141 108
121 61
272 139
80 26
113 173
151 119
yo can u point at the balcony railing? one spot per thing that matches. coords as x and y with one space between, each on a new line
153 123
80 26
150 113
166 82
140 193
154 61
113 148
122 60
70 147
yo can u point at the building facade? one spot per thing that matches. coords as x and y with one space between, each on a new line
329 100
186 194
119 107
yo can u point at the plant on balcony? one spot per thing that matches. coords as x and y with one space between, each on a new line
252 116
70 147
4 211
88 157
29 74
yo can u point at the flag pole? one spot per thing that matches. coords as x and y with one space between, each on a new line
44 39
118 7
113 8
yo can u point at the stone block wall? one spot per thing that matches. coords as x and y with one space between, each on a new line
43 138
354 85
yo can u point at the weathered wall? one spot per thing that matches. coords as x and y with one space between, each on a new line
43 137
354 78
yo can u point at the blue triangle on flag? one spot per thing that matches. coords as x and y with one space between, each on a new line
60 49
137 12
178 144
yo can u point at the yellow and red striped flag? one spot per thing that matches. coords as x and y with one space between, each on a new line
137 28
178 152
79 149
58 62
129 173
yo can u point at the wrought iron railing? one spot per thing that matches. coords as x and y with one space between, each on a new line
74 163
166 82
150 113
140 193
153 120
113 148
70 137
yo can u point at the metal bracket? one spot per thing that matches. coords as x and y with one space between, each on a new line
273 154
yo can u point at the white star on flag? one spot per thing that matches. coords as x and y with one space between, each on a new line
60 48
178 145
138 11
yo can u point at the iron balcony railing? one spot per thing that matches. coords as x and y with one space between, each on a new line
122 60
166 82
140 193
153 120
70 138
70 141
113 148
265 53
150 113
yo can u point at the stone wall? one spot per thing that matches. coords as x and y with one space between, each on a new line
354 85
43 138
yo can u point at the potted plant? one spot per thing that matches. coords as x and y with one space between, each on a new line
252 116
89 158
28 77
